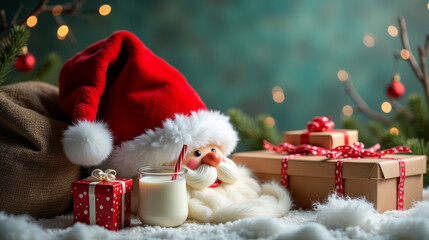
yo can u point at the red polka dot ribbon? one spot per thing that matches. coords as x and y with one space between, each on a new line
321 124
358 151
294 151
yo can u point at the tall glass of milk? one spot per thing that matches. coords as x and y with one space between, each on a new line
162 201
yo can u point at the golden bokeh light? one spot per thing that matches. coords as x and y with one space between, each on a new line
392 30
428 6
386 107
277 89
394 131
405 54
347 110
31 21
62 32
270 122
343 75
61 37
368 40
278 97
57 10
105 9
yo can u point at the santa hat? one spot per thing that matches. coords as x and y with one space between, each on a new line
134 109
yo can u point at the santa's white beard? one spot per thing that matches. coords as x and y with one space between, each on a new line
206 175
244 198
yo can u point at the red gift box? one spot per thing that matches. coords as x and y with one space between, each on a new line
107 204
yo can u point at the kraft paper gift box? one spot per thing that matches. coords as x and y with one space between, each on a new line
107 204
311 178
327 140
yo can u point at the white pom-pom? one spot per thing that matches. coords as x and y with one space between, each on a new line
87 143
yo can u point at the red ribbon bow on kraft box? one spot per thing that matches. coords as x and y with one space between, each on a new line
358 151
320 132
293 151
341 153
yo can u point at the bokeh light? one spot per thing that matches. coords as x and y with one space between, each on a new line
62 32
394 131
105 9
392 30
343 75
278 97
31 21
277 89
405 54
348 110
386 107
368 40
270 122
57 10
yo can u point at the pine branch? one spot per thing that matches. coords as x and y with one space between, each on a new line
252 132
269 133
9 50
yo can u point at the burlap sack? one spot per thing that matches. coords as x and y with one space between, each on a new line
35 175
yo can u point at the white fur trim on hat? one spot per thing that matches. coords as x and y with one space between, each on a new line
87 143
163 145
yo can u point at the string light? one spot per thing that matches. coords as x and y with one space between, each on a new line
31 21
347 110
276 89
392 30
405 54
278 94
62 32
105 9
57 10
386 107
343 75
270 122
368 40
394 131
278 97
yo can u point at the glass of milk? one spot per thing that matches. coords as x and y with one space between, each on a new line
162 201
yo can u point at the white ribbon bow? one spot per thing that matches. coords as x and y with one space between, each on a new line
98 174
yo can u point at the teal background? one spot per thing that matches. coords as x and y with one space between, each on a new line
234 52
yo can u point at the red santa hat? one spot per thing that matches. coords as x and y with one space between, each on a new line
134 109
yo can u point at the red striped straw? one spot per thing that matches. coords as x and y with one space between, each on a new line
179 161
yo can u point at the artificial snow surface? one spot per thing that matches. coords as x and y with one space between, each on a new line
335 219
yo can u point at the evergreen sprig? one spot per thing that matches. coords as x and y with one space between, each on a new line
252 131
10 48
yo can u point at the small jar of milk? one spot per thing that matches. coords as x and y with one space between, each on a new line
162 201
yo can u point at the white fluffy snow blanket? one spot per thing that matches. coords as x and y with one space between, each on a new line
335 219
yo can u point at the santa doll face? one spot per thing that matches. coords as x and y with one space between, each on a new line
207 167
201 155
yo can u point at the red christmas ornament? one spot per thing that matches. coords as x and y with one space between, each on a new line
25 62
395 89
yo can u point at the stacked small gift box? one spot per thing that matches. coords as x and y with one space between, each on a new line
321 160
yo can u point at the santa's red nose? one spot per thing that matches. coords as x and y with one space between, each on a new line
212 159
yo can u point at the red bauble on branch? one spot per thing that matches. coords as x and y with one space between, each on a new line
395 89
25 62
